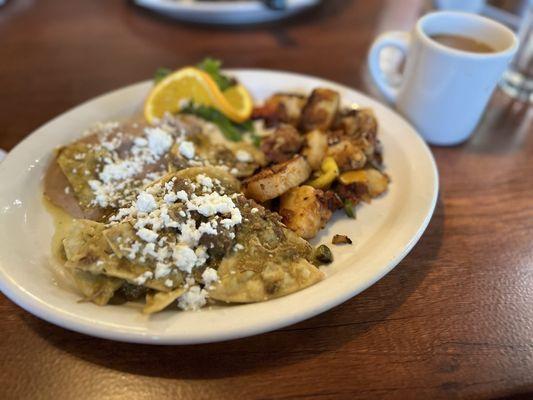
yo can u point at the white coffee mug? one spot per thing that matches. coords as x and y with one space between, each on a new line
443 91
474 6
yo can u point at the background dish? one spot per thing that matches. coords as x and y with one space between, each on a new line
383 234
224 12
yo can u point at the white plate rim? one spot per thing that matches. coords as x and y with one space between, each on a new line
41 309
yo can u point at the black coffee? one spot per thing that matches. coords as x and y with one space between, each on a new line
463 43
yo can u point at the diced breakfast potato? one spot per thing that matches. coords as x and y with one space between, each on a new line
375 181
316 147
347 155
303 211
357 123
281 108
272 182
282 144
320 110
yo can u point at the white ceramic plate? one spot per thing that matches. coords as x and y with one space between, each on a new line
224 12
383 233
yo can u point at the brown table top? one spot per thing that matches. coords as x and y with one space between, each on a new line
453 320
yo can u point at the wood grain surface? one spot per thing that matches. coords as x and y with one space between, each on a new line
453 320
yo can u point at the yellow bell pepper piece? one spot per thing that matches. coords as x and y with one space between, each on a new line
329 171
358 176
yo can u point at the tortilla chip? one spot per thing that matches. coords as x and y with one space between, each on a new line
80 163
156 302
98 289
238 285
211 145
87 249
58 191
85 245
129 269
227 180
117 234
273 263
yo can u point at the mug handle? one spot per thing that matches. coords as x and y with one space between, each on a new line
397 39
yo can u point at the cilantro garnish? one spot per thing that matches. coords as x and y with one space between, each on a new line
233 131
161 73
212 68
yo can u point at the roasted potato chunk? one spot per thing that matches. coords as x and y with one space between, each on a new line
283 144
360 128
357 123
316 147
347 155
375 181
272 182
304 210
281 108
320 110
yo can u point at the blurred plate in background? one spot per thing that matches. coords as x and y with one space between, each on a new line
225 12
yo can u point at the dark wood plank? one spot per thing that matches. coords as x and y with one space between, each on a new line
453 320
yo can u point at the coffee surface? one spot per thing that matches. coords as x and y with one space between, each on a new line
463 43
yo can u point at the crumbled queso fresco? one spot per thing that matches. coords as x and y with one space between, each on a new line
167 236
187 149
115 183
118 181
243 156
174 244
123 172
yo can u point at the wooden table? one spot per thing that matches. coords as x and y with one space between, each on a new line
453 320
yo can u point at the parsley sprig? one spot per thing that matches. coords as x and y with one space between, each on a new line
232 130
212 67
161 73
